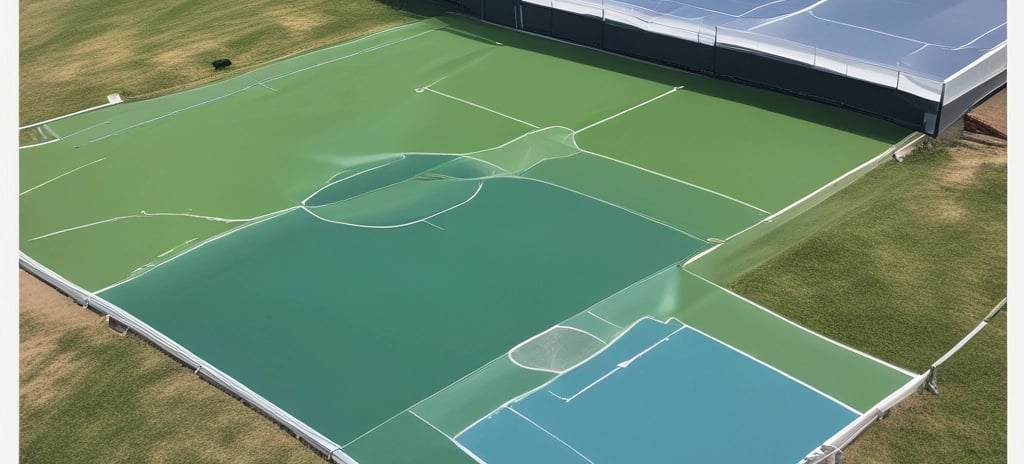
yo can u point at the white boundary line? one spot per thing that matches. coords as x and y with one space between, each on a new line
172 113
332 183
776 370
638 105
310 52
350 55
143 214
635 213
257 83
428 89
58 118
787 15
39 144
219 236
62 175
457 444
888 152
79 131
701 254
907 141
705 189
622 365
545 384
574 450
805 329
606 321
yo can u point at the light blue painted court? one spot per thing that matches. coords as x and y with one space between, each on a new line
663 392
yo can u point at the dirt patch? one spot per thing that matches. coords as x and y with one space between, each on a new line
993 112
40 301
968 157
300 21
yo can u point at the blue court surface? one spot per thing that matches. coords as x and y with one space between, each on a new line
663 392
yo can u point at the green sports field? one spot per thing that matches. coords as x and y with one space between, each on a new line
358 232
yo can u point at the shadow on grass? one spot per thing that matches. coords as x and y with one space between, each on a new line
787 105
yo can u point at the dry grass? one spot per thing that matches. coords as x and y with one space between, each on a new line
74 53
91 395
914 259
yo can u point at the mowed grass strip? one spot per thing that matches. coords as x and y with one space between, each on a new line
74 53
913 261
89 395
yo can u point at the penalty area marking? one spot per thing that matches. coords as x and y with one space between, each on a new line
622 365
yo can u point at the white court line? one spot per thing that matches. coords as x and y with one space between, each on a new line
553 379
588 311
428 89
805 329
261 84
172 113
394 226
83 130
701 254
62 175
625 364
907 141
588 387
303 202
635 213
434 225
883 33
252 222
574 450
788 15
620 113
143 214
576 145
40 123
531 179
923 43
511 356
773 368
257 83
350 55
968 44
698 187
548 330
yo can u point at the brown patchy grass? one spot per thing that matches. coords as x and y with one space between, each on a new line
89 395
75 52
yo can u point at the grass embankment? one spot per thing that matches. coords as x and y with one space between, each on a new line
916 258
74 53
89 395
